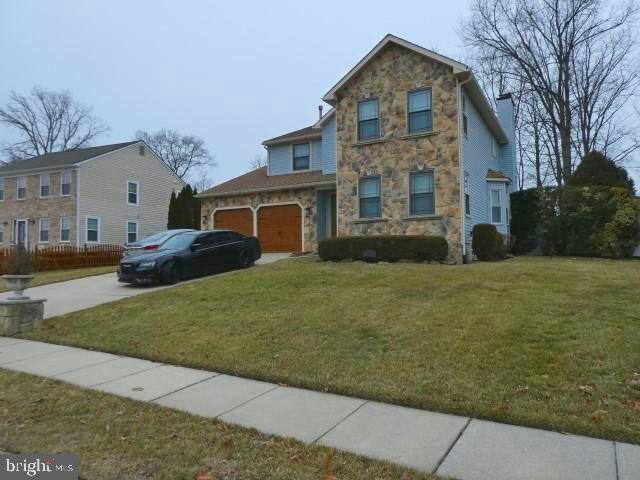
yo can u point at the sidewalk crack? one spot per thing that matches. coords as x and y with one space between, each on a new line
453 444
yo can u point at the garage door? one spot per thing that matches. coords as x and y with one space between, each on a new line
238 219
280 228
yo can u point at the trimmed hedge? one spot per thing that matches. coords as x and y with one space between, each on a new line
385 248
487 242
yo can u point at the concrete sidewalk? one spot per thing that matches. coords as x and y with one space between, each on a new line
448 445
87 292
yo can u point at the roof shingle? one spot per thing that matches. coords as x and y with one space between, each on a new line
258 180
303 133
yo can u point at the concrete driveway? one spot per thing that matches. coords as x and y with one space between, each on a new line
74 295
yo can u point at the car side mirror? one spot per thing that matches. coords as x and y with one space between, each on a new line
195 246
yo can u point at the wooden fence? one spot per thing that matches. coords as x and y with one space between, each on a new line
64 257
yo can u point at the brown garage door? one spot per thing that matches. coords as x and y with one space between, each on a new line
280 228
238 219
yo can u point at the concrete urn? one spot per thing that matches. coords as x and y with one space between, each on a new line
18 284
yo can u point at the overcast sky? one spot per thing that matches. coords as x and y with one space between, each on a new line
233 73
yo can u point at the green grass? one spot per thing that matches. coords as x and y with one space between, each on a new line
116 438
44 278
545 342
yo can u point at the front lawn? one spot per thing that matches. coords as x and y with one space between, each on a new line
55 276
545 342
116 438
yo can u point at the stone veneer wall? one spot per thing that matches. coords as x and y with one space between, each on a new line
306 197
389 77
33 208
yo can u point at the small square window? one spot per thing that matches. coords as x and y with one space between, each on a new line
368 120
369 190
301 156
132 193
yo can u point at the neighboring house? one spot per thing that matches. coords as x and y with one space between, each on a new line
112 194
411 146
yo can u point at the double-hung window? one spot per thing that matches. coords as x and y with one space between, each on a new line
420 119
467 196
301 156
368 120
132 232
1 189
44 230
45 185
65 183
93 230
132 193
65 229
21 188
369 192
465 121
496 206
421 200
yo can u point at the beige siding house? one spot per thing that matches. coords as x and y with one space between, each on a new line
112 194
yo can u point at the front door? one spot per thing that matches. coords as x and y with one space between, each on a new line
21 232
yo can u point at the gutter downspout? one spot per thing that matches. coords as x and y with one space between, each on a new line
461 165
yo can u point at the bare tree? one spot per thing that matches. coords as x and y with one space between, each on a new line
201 180
48 121
184 154
540 41
258 162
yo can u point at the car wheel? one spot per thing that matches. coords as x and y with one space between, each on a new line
246 259
170 273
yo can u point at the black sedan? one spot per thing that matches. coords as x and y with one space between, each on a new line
189 255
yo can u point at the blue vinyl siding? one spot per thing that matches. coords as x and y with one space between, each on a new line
477 159
329 146
508 151
281 160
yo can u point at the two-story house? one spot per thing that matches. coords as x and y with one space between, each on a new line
112 194
411 146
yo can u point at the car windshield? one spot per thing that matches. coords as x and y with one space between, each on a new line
179 242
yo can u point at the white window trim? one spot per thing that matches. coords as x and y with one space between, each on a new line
491 205
18 199
62 182
3 183
40 230
433 177
14 230
60 231
86 229
293 157
137 193
41 185
127 231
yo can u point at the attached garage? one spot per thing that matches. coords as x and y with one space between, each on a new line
280 228
237 219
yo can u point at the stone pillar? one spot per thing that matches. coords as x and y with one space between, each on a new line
17 316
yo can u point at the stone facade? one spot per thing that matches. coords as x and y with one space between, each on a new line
33 208
388 77
305 197
18 316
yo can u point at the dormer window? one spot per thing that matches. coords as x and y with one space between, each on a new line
420 119
368 120
301 156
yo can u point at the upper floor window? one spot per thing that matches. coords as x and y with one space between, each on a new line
65 229
420 119
368 120
467 196
21 188
44 230
496 206
421 193
1 189
465 122
65 183
301 157
141 150
45 182
369 190
132 193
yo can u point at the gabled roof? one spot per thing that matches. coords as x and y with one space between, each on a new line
306 133
259 181
67 158
460 70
